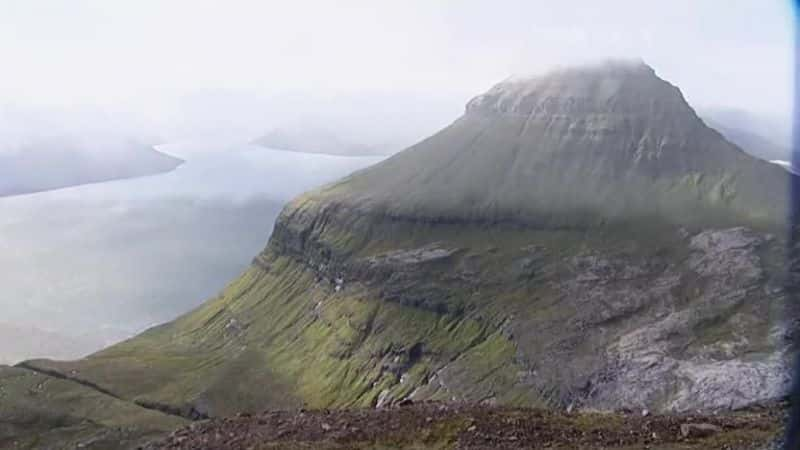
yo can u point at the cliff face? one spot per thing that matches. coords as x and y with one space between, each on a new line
661 317
577 239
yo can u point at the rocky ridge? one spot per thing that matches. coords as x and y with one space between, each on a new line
463 426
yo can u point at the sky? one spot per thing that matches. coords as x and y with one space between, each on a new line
135 54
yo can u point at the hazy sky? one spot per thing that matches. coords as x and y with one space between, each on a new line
734 53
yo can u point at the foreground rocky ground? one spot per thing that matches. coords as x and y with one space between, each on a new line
461 426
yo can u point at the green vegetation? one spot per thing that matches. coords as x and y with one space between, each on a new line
40 411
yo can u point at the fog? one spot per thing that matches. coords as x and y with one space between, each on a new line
202 79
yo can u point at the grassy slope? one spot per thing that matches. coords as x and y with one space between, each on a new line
282 335
290 350
39 411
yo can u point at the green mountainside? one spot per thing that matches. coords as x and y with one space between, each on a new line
574 147
576 240
43 411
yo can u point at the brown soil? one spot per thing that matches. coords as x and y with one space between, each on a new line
459 426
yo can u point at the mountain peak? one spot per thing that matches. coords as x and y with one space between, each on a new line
623 86
576 144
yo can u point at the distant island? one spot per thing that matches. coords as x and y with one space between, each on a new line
314 140
51 163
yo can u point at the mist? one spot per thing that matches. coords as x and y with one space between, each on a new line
237 68
95 91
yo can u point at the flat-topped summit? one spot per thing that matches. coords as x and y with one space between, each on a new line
611 86
573 146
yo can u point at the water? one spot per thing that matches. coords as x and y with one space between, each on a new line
83 267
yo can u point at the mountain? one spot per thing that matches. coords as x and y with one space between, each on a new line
39 164
579 239
312 140
574 146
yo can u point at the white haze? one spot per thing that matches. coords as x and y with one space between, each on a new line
188 67
198 79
